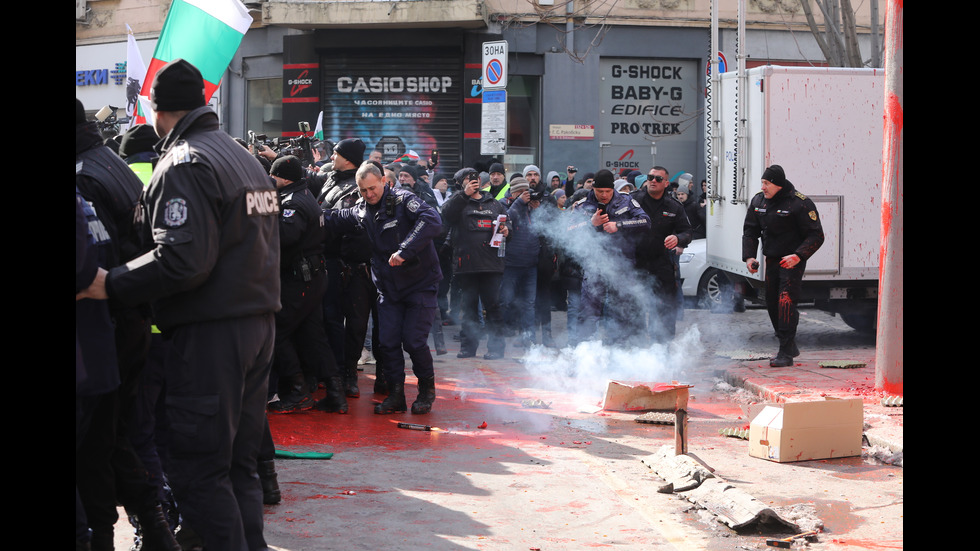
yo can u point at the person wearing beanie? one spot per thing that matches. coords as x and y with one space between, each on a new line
348 300
518 286
499 188
619 222
532 174
113 352
299 325
212 278
472 215
656 255
516 187
789 226
408 178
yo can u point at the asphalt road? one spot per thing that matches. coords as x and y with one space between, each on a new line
567 477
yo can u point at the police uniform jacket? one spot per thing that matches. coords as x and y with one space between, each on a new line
630 219
472 221
213 212
113 189
301 228
788 224
339 191
399 223
667 217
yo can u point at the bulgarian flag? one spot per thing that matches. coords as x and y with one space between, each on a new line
206 33
318 131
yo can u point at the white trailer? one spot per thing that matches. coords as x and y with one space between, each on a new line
824 127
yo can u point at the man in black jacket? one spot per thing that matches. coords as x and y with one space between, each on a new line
302 351
669 228
478 267
788 223
350 291
213 279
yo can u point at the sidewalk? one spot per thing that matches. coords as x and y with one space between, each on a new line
806 380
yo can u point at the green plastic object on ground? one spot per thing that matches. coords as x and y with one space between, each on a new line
302 455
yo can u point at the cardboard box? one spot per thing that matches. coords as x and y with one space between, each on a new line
801 431
637 396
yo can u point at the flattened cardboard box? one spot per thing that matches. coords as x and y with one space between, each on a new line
640 396
800 431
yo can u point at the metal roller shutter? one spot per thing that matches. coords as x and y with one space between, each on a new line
396 103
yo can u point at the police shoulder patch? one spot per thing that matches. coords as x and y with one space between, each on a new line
175 212
288 213
813 215
413 205
635 203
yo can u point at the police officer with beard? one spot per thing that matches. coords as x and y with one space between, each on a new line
213 279
788 223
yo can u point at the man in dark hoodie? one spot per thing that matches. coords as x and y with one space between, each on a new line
788 223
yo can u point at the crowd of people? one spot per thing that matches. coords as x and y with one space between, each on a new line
232 281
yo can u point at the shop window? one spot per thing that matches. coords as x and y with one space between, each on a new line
264 106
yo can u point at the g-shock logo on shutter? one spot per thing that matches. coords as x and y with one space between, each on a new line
261 203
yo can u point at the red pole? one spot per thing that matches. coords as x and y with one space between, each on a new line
889 351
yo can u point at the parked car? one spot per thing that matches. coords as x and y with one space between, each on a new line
702 285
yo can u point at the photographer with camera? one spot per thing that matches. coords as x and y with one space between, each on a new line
519 284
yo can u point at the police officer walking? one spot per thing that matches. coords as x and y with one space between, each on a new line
788 223
405 268
213 278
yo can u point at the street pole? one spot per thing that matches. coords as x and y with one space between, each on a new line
889 351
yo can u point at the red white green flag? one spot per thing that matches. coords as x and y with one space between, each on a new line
206 33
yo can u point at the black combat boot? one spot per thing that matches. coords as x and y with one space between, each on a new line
336 400
270 482
350 382
296 397
395 402
427 395
380 382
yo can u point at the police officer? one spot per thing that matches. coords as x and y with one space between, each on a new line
620 221
350 292
405 268
669 228
302 352
108 467
788 223
213 277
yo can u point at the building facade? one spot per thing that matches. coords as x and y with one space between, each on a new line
594 84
